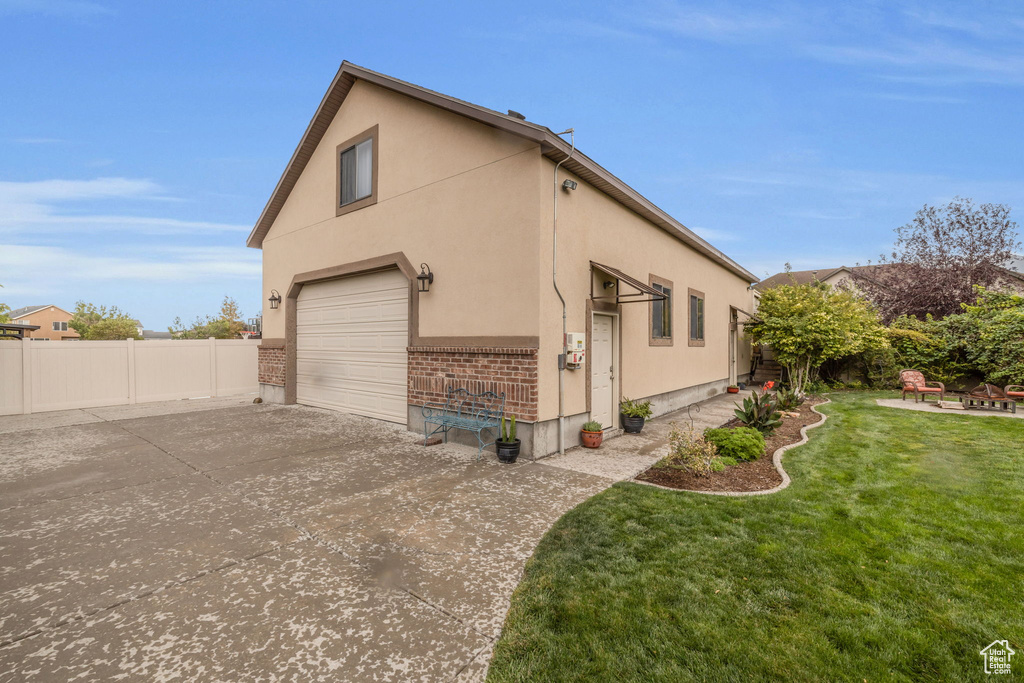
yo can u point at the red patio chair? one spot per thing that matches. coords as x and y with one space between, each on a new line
913 381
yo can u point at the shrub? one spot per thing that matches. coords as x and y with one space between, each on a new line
690 452
760 411
741 443
592 426
717 465
788 399
631 408
727 461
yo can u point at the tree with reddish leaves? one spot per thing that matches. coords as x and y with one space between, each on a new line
939 257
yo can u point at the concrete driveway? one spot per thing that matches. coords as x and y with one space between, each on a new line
230 541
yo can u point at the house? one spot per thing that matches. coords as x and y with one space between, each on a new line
410 246
52 321
845 275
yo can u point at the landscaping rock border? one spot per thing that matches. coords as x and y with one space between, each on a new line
776 461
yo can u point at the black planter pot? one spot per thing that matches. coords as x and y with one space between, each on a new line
507 451
632 425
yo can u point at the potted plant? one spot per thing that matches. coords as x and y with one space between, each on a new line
733 389
634 413
592 433
507 445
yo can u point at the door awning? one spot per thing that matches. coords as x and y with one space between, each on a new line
751 316
644 292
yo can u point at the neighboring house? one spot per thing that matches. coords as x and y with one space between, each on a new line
153 334
391 182
52 321
830 276
844 275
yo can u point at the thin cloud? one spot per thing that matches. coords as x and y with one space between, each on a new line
159 265
34 207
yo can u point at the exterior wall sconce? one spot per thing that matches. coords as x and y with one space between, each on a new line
425 278
569 184
275 299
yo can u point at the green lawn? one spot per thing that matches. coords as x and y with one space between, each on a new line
897 553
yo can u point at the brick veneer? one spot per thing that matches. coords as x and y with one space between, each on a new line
270 360
508 370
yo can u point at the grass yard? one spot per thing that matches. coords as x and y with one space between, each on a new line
896 554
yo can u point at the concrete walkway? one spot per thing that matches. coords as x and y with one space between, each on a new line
626 456
262 542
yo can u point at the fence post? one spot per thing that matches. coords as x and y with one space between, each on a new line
213 366
26 376
131 371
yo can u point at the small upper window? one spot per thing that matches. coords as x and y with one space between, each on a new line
357 173
696 317
60 327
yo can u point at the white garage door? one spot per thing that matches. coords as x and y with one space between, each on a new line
351 339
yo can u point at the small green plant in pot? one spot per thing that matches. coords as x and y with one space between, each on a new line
634 414
507 445
592 434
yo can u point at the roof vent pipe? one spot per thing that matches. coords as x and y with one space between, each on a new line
554 281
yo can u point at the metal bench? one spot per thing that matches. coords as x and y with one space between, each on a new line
465 411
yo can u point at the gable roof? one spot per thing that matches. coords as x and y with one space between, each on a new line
552 146
28 310
802 277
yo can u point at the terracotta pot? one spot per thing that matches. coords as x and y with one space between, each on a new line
733 390
592 439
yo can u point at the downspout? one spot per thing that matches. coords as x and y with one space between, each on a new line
554 281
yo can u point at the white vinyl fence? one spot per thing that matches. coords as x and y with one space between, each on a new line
37 376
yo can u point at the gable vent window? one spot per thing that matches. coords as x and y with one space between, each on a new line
357 172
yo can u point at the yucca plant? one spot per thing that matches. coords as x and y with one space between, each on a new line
760 410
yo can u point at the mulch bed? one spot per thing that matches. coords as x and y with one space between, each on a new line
759 475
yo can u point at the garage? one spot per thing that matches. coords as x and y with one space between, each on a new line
351 339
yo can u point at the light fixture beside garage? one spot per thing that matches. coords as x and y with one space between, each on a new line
425 278
275 299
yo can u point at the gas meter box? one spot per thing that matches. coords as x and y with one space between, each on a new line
577 349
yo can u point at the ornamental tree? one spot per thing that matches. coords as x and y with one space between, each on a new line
939 257
811 323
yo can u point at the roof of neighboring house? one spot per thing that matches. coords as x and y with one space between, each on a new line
801 277
27 310
551 145
153 334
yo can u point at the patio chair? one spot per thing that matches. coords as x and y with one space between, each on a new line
1014 391
913 381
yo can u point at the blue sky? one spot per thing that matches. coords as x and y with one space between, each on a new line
139 141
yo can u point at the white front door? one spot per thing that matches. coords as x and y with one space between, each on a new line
602 370
352 336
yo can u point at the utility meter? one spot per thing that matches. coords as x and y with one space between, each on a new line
576 342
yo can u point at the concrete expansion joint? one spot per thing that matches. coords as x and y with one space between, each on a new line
180 581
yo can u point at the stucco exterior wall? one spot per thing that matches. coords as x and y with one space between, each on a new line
453 193
45 319
594 227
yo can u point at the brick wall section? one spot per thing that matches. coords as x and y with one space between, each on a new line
512 371
271 365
